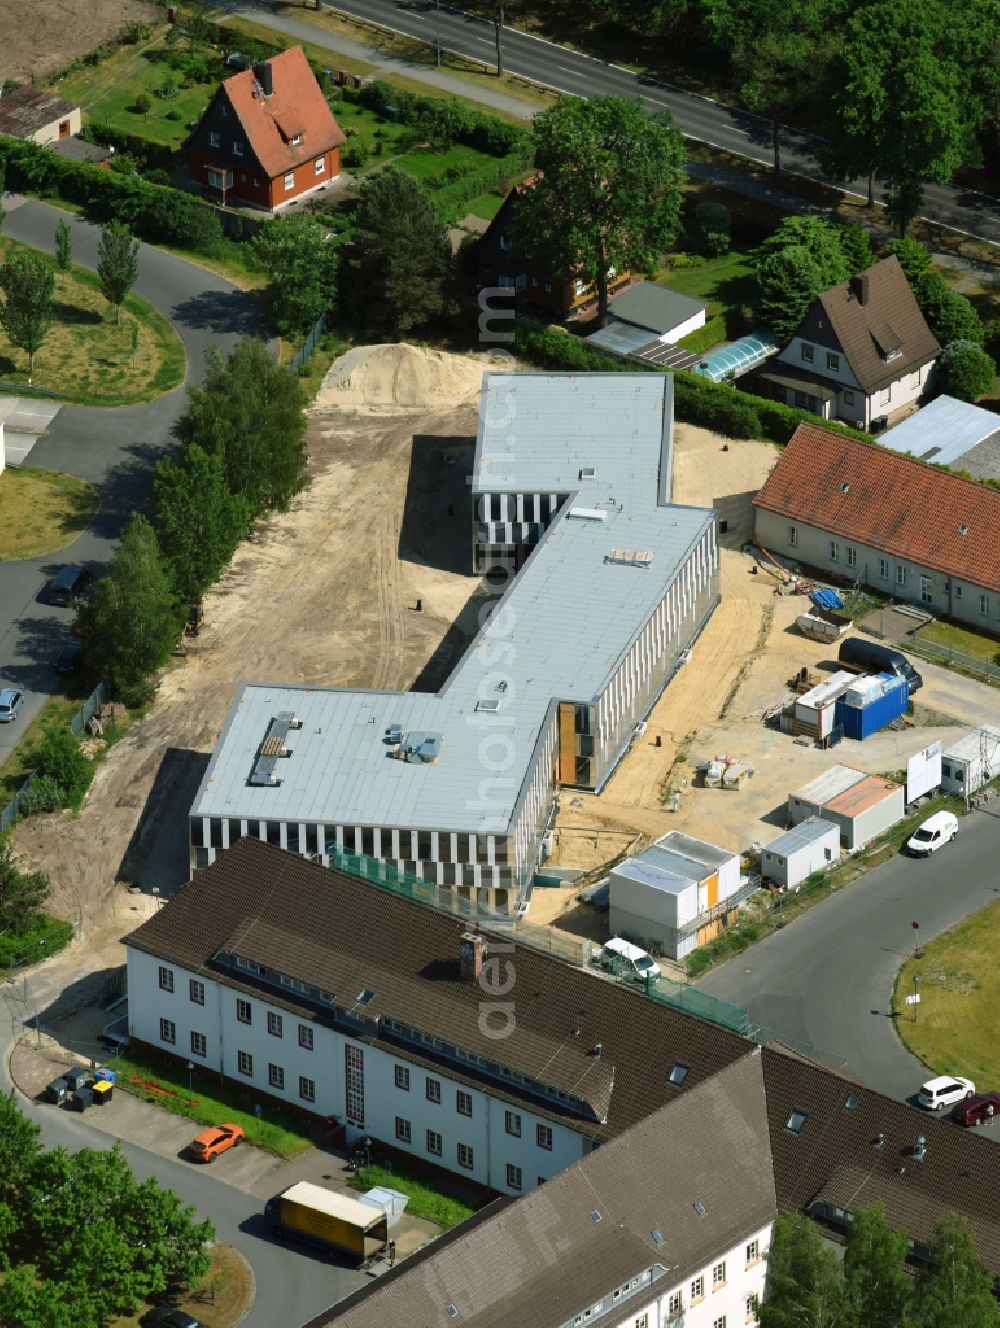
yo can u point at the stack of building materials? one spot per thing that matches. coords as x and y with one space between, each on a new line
870 703
668 898
972 761
862 806
809 846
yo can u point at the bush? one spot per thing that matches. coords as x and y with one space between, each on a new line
445 119
715 223
950 315
58 757
133 32
158 176
355 155
964 371
43 794
704 338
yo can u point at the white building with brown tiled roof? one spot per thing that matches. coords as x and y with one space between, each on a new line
862 351
907 529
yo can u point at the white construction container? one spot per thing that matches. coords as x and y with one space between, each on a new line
972 761
810 846
817 708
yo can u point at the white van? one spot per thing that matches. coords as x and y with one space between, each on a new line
635 963
937 830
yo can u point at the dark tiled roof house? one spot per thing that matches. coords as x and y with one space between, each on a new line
268 135
862 351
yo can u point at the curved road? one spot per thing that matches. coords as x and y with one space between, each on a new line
566 70
827 978
112 449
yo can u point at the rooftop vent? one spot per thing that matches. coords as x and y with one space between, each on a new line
920 1151
596 1216
490 706
630 557
963 529
451 1312
700 1208
598 1049
588 472
845 488
421 748
657 1236
272 749
394 734
588 513
880 1139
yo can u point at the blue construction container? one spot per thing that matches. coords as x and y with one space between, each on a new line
870 703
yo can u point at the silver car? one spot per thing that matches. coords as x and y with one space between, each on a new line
10 704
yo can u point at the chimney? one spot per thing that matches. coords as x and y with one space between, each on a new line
861 287
471 951
262 73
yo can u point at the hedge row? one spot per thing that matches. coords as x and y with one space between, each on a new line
716 406
154 212
704 338
450 199
446 118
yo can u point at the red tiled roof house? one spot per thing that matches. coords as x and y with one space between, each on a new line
268 135
909 530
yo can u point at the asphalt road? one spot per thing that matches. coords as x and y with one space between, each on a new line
292 1285
568 71
827 978
112 449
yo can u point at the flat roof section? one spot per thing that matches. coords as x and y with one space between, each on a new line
861 797
967 748
561 629
942 431
829 784
807 832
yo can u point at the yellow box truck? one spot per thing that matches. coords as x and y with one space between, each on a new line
331 1221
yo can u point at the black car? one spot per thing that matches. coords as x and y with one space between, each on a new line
67 586
165 1316
68 659
864 656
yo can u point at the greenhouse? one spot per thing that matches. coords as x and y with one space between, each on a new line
736 358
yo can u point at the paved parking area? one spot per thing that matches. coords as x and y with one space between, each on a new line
24 420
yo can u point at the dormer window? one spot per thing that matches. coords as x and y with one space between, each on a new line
296 140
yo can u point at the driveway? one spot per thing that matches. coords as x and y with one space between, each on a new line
826 979
112 449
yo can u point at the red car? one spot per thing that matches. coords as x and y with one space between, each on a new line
976 1109
210 1143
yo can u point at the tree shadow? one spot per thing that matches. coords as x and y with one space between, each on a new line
157 854
234 313
74 315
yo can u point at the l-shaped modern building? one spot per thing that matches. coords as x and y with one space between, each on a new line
603 583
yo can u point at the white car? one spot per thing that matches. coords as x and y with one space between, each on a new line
937 830
945 1090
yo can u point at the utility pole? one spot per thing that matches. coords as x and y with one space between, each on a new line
499 26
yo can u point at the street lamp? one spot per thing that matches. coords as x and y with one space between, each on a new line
916 996
190 1070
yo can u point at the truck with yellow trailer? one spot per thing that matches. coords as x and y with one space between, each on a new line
331 1221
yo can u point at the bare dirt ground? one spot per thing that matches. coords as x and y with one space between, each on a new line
325 594
44 36
742 664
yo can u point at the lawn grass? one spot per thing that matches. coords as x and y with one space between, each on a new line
951 637
485 205
42 511
48 937
426 1201
955 1029
87 356
223 1298
426 164
108 93
724 283
164 1082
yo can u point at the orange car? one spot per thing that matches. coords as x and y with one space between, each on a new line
210 1143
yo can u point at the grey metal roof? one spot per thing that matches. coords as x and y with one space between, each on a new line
830 784
647 870
699 850
967 747
942 432
621 338
807 832
570 614
654 307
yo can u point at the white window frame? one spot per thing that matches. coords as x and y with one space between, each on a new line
900 575
432 1090
697 1290
514 1177
404 1130
320 165
199 1043
275 1024
244 1063
401 1076
512 1124
461 1099
434 1143
276 1077
883 569
166 979
926 590
196 991
543 1137
793 537
833 361
852 556
984 604
244 1011
306 1037
719 1275
307 1088
168 1031
835 551
289 181
465 1156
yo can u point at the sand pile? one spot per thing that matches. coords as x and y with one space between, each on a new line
383 379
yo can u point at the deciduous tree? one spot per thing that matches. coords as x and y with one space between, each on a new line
22 898
950 315
19 1136
250 413
64 246
28 285
800 260
608 194
964 371
805 1287
877 1285
198 521
300 260
399 262
117 264
953 1287
131 619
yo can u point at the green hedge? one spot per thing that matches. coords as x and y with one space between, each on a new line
45 938
446 118
716 406
153 212
451 198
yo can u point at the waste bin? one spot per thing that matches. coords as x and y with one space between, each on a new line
76 1078
104 1074
102 1092
57 1091
82 1099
